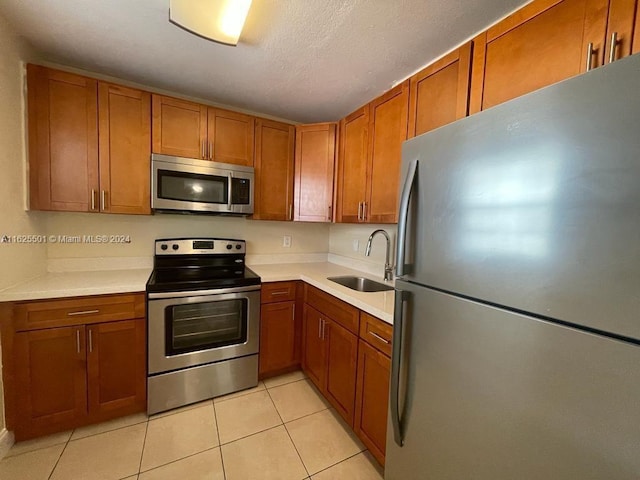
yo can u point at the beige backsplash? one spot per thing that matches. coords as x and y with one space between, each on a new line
341 239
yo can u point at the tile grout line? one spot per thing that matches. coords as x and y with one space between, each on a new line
173 461
215 418
144 442
341 461
289 435
61 453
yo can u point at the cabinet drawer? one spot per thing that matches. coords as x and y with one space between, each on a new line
339 311
77 311
376 333
278 292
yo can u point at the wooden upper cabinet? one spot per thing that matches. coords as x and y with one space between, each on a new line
353 160
179 127
314 169
116 367
51 382
230 137
439 94
274 170
388 129
125 149
63 140
623 37
542 43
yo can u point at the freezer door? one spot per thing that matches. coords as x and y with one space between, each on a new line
535 204
492 395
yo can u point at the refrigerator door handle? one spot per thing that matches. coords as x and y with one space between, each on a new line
402 217
396 358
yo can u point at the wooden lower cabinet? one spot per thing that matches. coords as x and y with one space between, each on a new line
342 358
372 399
62 377
278 349
51 379
313 347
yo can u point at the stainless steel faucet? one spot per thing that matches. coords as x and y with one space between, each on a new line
388 268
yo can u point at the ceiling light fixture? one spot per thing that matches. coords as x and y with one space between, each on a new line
217 20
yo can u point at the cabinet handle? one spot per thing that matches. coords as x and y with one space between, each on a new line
83 312
103 200
329 216
210 151
359 211
291 211
93 199
203 147
319 327
612 47
324 323
364 211
90 341
589 56
282 292
382 339
78 340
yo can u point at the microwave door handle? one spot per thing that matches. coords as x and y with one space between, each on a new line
230 176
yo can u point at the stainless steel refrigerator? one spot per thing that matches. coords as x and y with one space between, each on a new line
517 324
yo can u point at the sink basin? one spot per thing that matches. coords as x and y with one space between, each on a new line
361 284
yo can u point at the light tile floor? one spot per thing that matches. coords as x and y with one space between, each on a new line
283 429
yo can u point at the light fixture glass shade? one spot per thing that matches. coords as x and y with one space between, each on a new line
217 20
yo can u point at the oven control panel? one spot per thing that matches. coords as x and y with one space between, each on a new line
200 246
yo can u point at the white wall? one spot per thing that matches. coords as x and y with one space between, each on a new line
18 262
341 240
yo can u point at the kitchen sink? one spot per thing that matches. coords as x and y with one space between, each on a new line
361 284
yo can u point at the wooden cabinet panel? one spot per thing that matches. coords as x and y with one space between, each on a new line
179 127
116 367
439 94
376 332
230 137
635 48
542 43
277 337
73 311
63 140
342 357
51 382
274 170
372 399
339 311
314 169
278 292
352 166
125 149
313 347
620 27
388 129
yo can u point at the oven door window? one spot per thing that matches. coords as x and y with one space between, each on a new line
193 187
203 326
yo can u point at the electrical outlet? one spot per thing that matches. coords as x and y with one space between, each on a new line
356 244
286 241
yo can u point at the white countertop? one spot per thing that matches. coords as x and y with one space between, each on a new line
378 304
78 284
103 282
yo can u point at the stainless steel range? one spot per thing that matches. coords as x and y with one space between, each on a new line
203 310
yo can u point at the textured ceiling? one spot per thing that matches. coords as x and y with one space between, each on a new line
303 60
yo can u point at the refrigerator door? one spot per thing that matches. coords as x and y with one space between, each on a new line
535 204
494 395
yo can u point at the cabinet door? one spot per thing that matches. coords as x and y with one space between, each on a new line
63 140
277 337
635 48
274 170
125 149
388 127
313 346
620 29
439 94
542 43
179 127
51 380
352 166
342 356
314 164
116 363
372 399
230 137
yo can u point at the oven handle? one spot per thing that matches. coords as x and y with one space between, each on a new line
199 293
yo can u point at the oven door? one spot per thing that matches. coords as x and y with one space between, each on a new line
195 328
193 185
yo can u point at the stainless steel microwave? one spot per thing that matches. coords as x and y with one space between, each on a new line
200 186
